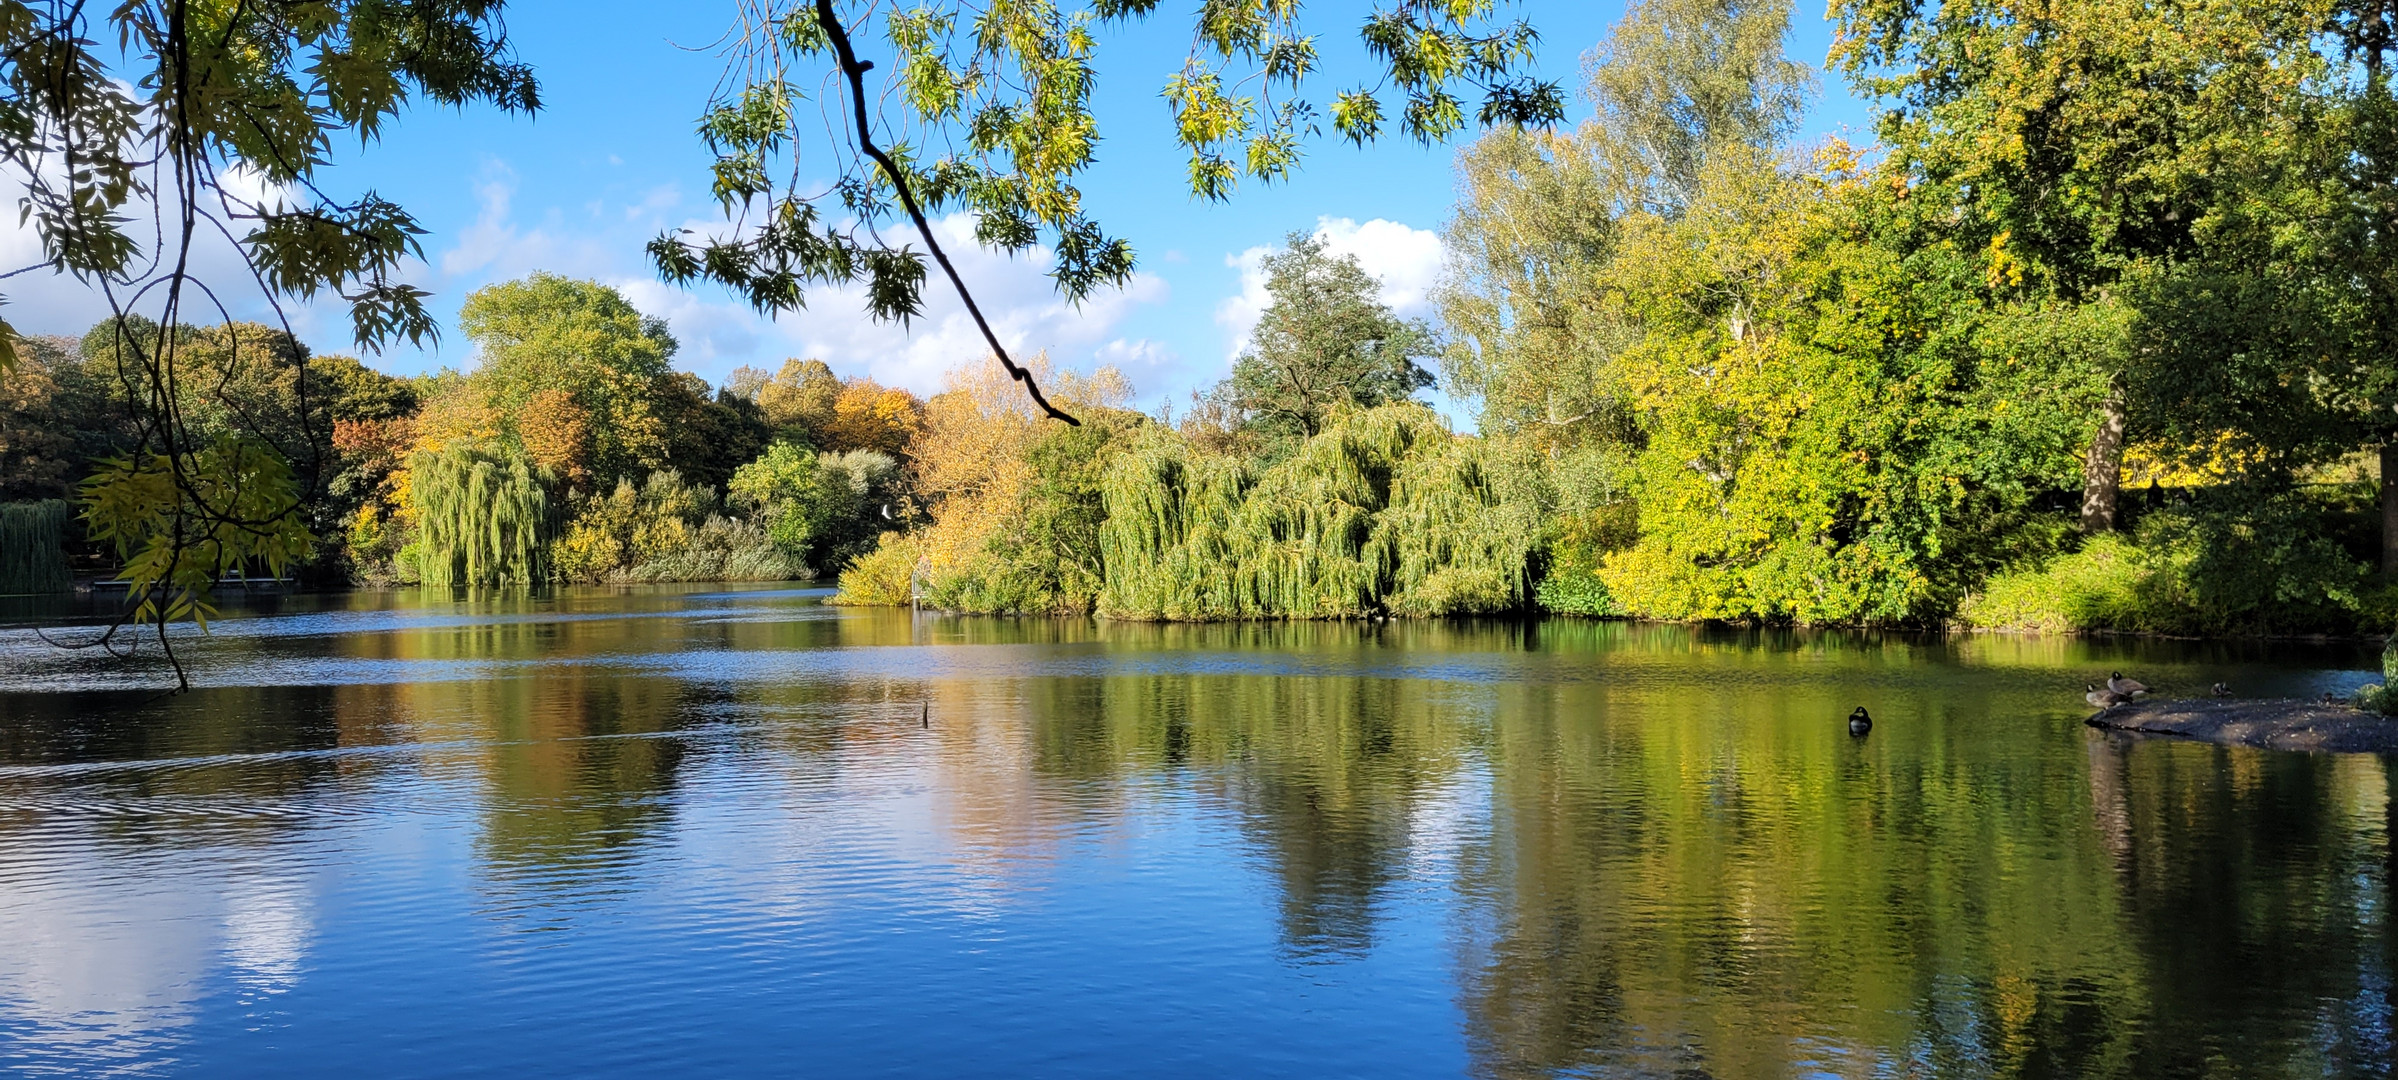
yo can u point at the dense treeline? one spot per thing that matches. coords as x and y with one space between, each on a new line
2098 336
571 452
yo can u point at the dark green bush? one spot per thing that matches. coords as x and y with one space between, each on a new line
2227 560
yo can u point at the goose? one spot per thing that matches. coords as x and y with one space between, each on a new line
1858 722
2104 699
2222 690
2126 687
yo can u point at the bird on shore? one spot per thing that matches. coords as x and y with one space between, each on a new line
2221 690
2104 699
1858 722
2129 688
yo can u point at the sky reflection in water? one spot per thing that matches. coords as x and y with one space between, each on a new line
708 831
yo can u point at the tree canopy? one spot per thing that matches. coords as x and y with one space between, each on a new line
569 369
2097 335
985 109
1325 342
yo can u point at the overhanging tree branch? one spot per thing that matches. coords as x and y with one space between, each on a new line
853 70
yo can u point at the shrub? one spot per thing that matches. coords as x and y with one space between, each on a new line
1575 590
785 491
823 509
884 576
2228 561
2089 589
658 522
720 549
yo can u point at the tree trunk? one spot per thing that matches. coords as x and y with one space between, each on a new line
2389 509
2102 471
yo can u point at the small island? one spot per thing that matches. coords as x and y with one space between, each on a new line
2271 723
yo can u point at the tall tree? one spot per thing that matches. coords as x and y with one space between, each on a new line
799 400
1679 80
2366 152
1522 293
1534 236
56 418
1326 342
548 333
2110 153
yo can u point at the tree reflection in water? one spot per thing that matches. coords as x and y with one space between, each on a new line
1635 850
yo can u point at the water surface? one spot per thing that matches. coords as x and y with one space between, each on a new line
707 832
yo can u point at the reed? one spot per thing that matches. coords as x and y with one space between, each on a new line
483 516
33 554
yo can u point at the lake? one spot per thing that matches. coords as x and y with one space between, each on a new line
710 831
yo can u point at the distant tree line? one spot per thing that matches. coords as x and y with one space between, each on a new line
572 451
2098 335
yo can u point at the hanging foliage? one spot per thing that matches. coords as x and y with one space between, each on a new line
33 555
1386 511
180 524
483 516
1169 531
1458 536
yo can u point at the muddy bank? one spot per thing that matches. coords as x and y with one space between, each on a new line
2272 723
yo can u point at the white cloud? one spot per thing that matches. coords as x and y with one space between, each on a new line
1015 294
1147 363
493 233
602 240
499 246
661 201
42 301
1405 259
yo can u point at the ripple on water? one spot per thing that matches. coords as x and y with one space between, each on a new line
716 832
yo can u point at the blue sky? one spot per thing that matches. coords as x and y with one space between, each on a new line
611 160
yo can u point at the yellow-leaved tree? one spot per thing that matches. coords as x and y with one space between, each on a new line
993 492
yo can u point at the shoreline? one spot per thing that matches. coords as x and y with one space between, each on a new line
2265 723
86 589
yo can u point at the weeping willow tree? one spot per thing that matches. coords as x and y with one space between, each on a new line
1459 534
33 554
1170 533
483 516
1384 511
